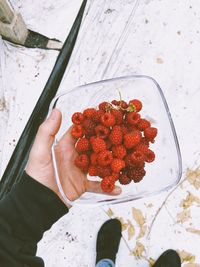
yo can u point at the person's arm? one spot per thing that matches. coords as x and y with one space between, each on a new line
25 213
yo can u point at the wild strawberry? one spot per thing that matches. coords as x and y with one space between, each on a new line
89 127
118 116
103 171
102 131
132 139
89 112
119 151
124 179
115 175
150 133
82 162
77 131
145 141
124 129
143 124
108 144
128 161
137 104
97 115
93 159
133 118
77 118
117 165
116 135
98 144
136 174
83 145
149 156
123 104
105 158
107 184
115 102
142 148
108 119
92 171
137 157
104 106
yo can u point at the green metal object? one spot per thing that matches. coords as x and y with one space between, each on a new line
19 157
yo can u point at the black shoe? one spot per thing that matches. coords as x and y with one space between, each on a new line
169 258
108 240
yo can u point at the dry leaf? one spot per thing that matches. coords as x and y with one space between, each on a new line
138 250
138 216
189 200
110 213
191 265
142 232
159 60
124 225
193 230
186 256
183 216
193 177
131 230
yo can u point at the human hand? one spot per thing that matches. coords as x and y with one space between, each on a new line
40 165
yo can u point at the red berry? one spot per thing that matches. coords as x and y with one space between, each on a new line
128 161
108 120
117 165
115 175
108 144
132 139
93 159
92 171
105 158
103 171
150 133
108 184
98 144
116 135
77 118
118 116
142 148
149 156
89 127
143 124
133 118
97 115
83 145
137 157
137 104
82 162
89 112
123 104
119 151
104 106
136 174
77 131
102 131
124 179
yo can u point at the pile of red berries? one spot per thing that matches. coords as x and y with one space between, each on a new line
113 142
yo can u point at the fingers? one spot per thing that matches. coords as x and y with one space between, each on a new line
47 131
67 139
95 187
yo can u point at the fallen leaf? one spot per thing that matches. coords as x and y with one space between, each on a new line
131 230
193 177
186 256
193 230
138 250
159 60
183 216
124 225
142 232
138 216
189 200
110 213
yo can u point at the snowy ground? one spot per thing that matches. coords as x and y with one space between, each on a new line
158 38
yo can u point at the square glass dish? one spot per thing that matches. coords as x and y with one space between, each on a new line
162 174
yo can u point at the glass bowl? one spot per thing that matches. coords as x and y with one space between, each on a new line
162 174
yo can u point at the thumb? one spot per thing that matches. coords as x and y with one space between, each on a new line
47 131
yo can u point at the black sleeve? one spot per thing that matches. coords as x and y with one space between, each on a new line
25 214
